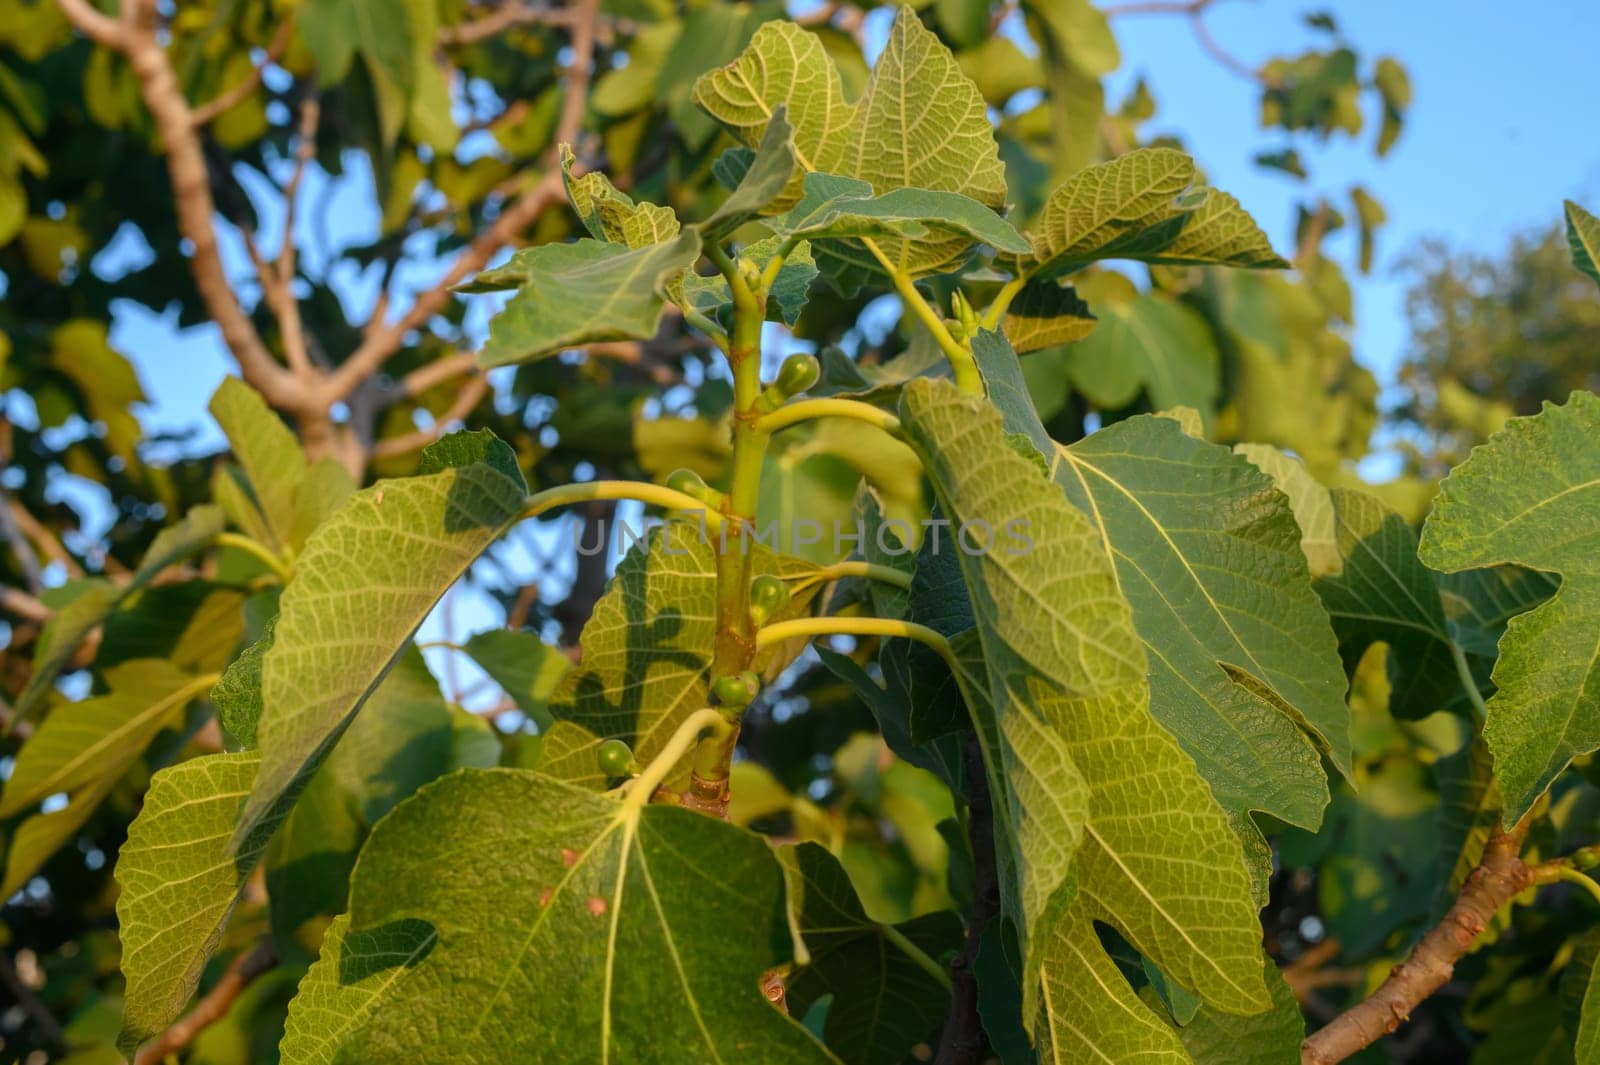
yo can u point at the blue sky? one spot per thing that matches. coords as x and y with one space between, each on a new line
1503 124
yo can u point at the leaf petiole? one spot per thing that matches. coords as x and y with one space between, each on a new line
808 409
788 630
638 790
278 566
1002 303
643 491
961 360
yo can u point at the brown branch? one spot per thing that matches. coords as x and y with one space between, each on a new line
45 540
237 95
1498 879
21 548
241 972
384 340
15 601
1195 11
471 392
502 19
437 372
136 37
288 309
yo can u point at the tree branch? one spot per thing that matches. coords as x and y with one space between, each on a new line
15 601
1499 878
504 18
385 339
241 972
237 95
471 392
21 549
135 37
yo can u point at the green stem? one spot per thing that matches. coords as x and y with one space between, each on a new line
641 787
961 360
871 571
1468 684
1002 303
735 639
655 494
916 954
1546 874
788 630
255 549
770 274
807 409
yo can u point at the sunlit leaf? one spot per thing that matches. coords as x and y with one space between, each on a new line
1531 496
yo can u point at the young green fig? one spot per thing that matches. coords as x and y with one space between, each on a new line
737 689
768 595
615 759
799 373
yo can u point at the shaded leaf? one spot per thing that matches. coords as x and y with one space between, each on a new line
1046 314
602 939
1157 857
887 981
524 665
98 598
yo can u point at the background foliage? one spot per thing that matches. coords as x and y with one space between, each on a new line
449 115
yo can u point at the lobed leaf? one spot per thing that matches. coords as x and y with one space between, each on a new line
365 582
1196 532
587 933
179 880
886 997
1155 855
1531 496
919 125
579 293
1144 205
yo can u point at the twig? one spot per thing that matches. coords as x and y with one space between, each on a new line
471 393
434 373
241 972
512 14
21 548
288 310
1498 879
236 95
1195 11
23 605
